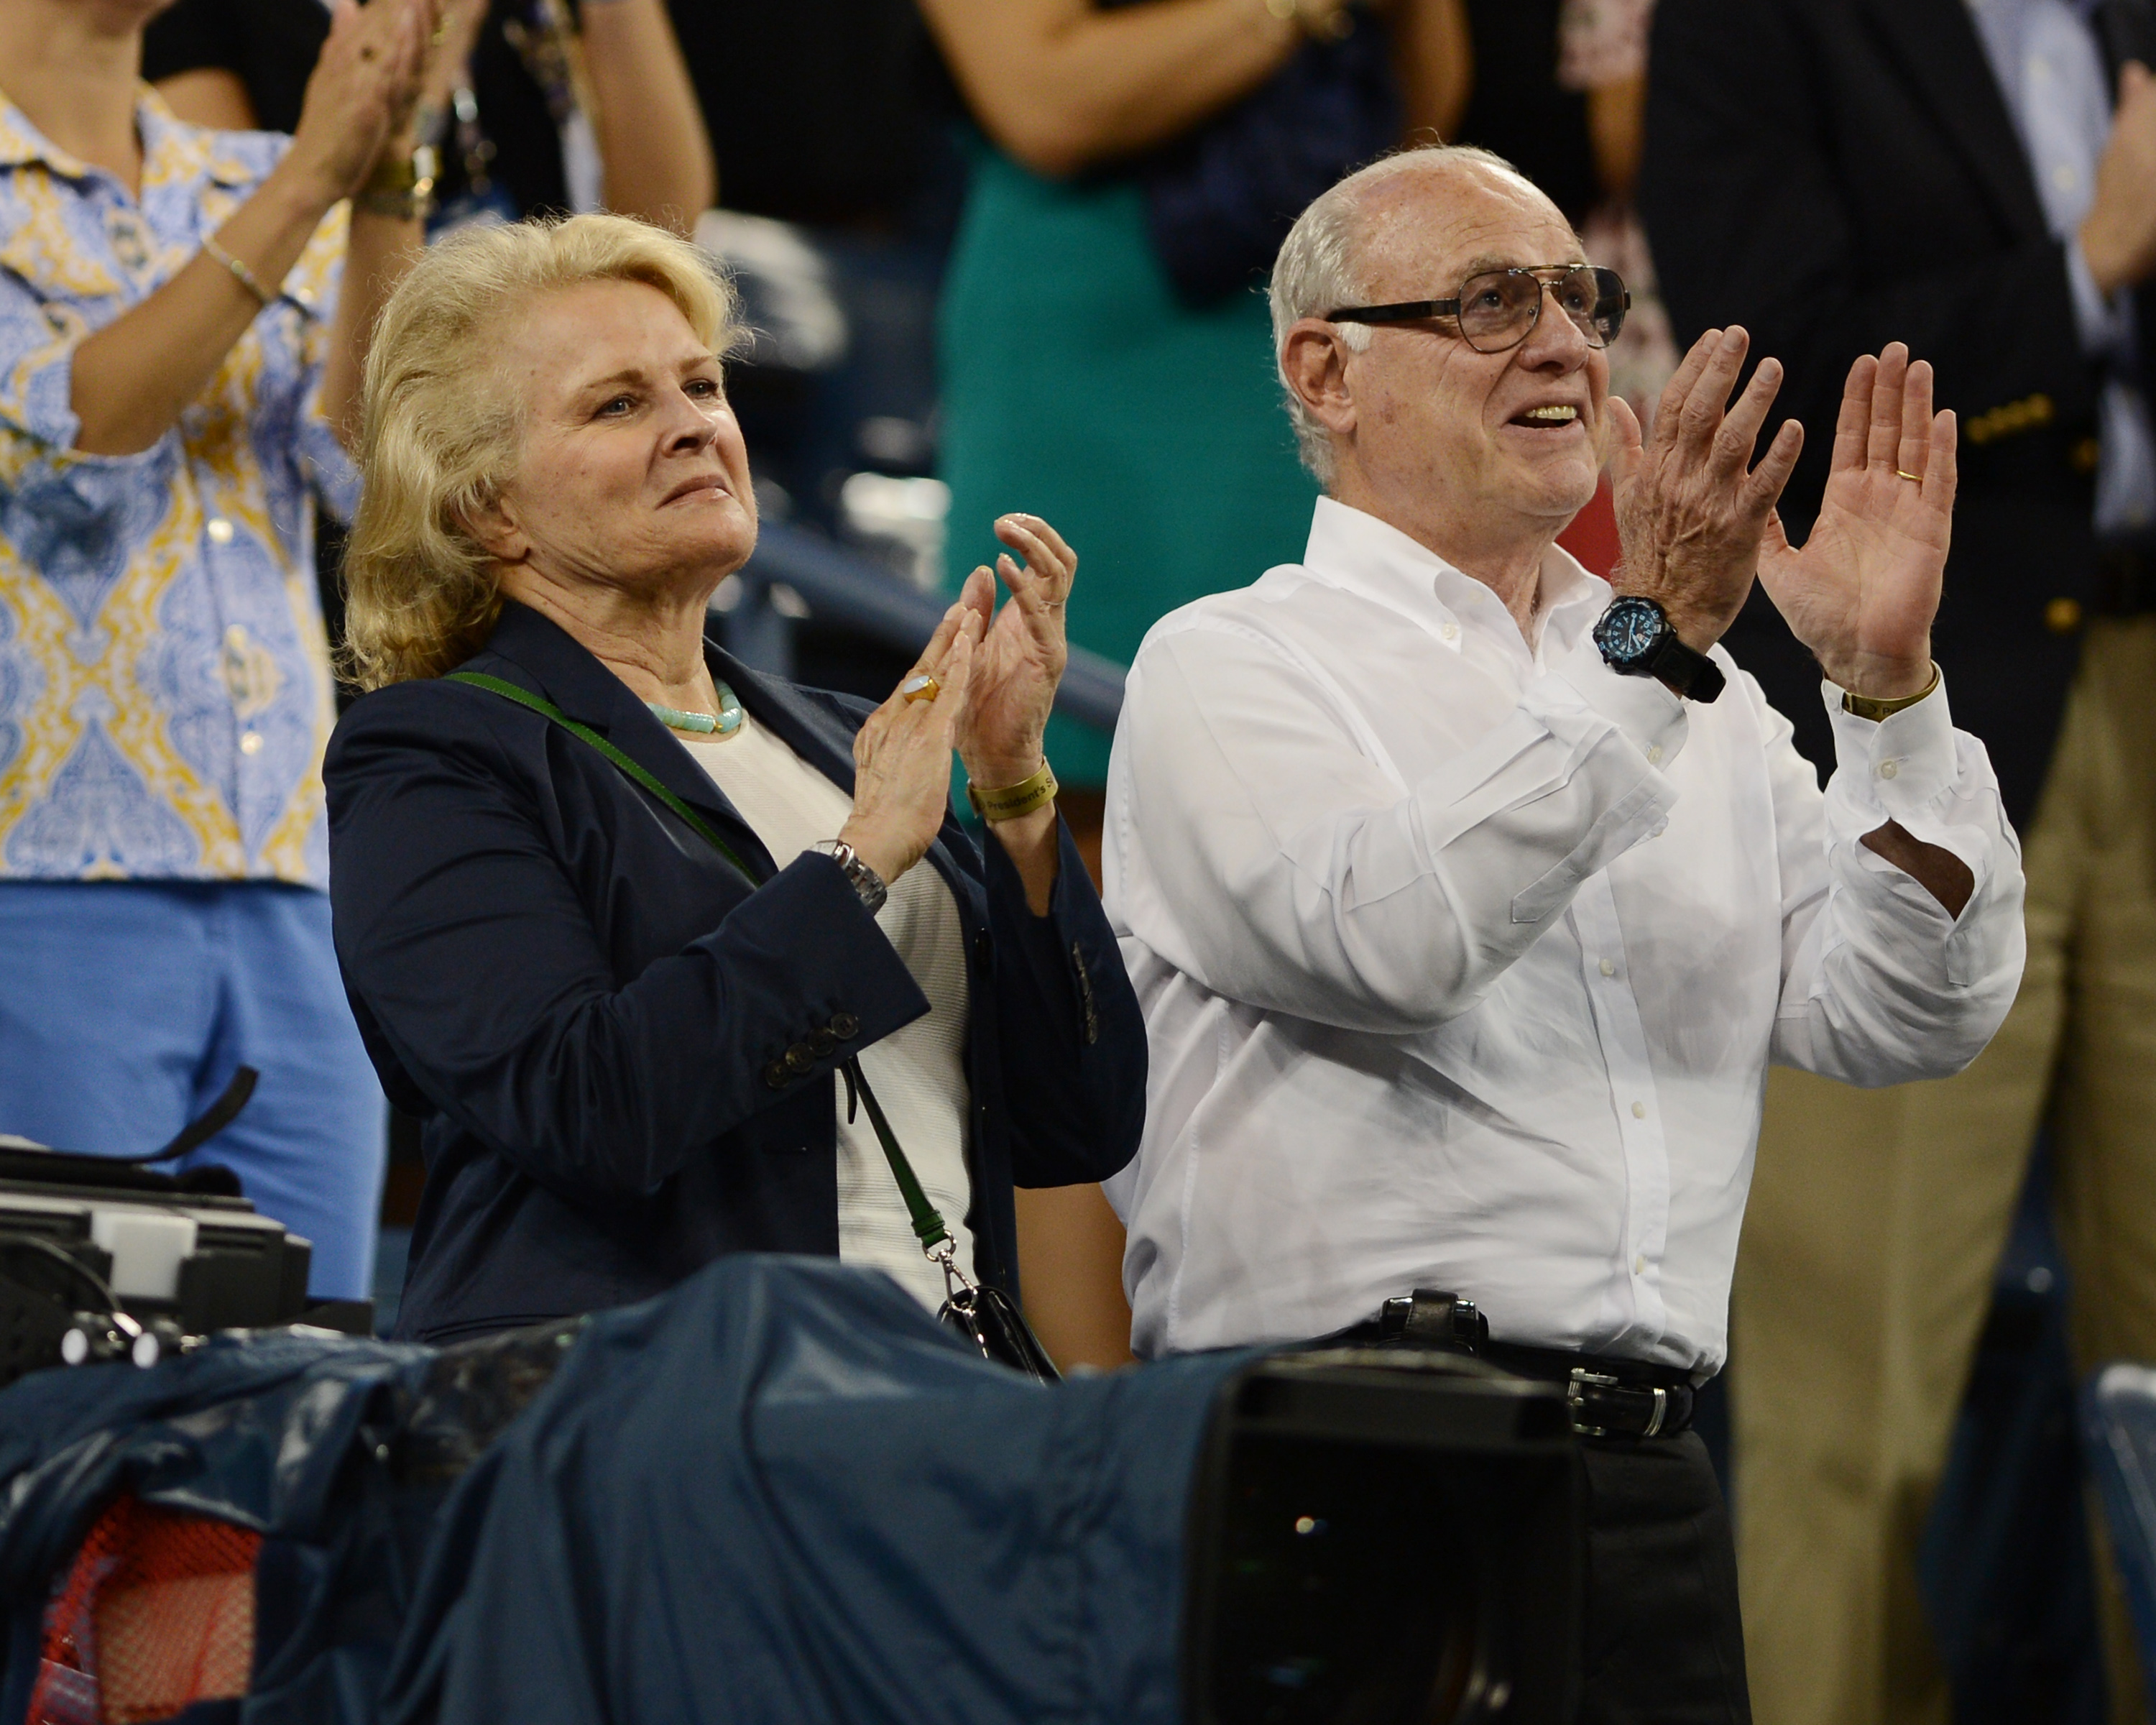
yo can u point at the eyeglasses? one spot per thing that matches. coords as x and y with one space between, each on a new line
1499 308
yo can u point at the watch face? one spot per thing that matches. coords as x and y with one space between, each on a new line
1630 630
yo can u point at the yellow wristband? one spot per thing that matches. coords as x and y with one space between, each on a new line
1012 801
1865 707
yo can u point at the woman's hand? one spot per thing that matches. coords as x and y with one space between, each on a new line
902 755
1022 652
363 92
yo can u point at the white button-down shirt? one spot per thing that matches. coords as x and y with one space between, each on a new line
1463 959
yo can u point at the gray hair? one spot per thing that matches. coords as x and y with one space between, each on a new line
1318 270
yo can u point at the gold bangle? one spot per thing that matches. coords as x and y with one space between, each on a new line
240 273
401 188
1012 801
1865 707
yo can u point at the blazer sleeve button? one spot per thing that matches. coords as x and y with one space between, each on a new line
798 1059
776 1075
845 1026
822 1042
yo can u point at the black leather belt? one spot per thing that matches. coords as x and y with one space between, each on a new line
1608 1397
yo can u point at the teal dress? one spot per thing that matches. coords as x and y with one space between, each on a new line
1076 387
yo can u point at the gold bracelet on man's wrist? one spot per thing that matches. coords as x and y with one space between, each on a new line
401 188
1867 707
1013 801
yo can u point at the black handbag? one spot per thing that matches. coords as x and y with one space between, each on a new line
1220 199
985 1316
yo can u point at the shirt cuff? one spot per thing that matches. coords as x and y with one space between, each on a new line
2101 325
1649 713
1906 767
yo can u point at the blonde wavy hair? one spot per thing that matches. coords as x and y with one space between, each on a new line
441 427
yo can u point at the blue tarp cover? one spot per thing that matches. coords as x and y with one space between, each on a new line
781 1492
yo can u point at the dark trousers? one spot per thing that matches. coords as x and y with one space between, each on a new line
1665 1641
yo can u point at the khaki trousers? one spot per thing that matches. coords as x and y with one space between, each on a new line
1877 1218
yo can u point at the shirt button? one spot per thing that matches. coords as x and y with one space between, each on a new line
1608 968
1638 1111
1450 631
1888 769
1655 755
220 529
250 743
2064 178
1640 1265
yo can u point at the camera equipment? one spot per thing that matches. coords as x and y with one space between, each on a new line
1384 1537
106 1258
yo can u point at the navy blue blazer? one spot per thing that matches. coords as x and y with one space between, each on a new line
591 1010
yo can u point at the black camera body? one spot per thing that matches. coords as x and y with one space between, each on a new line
1385 1538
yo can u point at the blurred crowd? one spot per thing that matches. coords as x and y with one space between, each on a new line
1011 254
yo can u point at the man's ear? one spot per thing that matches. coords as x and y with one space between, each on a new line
1314 361
492 524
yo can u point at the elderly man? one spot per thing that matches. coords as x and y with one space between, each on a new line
1469 897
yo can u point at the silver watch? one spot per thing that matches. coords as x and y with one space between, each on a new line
866 881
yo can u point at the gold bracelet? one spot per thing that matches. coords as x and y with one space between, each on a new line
240 273
1865 707
1012 801
401 188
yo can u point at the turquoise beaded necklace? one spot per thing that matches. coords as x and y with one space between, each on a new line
728 721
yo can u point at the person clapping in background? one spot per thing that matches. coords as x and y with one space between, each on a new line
533 108
177 364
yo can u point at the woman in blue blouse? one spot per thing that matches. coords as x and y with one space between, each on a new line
176 364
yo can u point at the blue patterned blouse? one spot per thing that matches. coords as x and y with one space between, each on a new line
165 693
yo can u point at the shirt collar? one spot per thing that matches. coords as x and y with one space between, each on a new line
1352 549
172 150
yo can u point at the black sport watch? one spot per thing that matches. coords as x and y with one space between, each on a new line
1637 640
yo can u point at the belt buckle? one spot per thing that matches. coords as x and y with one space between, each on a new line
1575 1402
1575 1399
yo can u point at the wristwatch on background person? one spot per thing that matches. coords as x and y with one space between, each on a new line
865 880
1637 639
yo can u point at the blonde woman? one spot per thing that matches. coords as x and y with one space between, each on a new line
614 916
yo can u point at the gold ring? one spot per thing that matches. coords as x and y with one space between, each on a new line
923 687
1900 472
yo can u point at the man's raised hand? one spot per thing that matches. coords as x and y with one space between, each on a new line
1691 510
1862 592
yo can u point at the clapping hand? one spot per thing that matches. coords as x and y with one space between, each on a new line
1022 652
360 100
902 752
1691 511
1862 592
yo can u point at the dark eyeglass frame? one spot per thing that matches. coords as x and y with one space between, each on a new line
1610 286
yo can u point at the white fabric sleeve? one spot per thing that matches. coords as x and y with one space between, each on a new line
1881 985
1260 843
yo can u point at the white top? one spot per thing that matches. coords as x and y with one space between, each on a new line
1462 962
919 1072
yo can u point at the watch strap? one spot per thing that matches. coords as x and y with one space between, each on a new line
1690 674
865 880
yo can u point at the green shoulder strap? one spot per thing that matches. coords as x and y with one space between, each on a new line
630 769
928 1221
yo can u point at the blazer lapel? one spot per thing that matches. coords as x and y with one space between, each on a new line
566 672
1936 44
